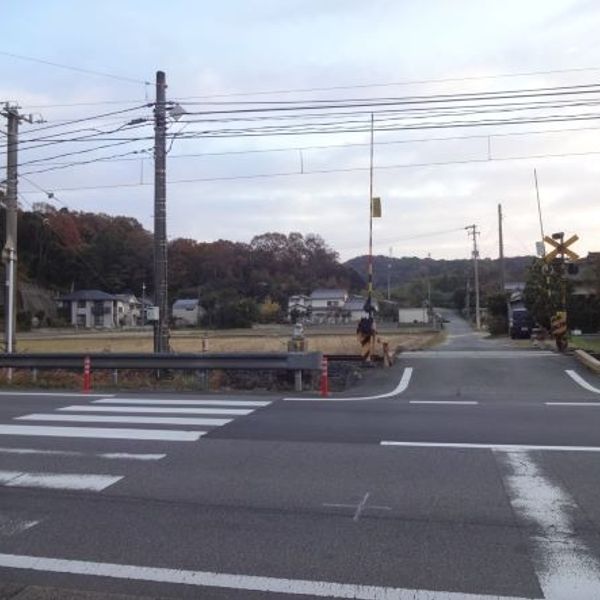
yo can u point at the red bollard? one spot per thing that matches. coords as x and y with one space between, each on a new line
87 374
324 378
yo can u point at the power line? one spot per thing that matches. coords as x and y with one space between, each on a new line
73 68
331 171
328 88
87 162
363 144
397 83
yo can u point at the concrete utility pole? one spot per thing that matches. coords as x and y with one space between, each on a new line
9 253
468 299
161 327
472 231
501 251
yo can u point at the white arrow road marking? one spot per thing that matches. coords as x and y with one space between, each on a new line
312 589
577 378
401 387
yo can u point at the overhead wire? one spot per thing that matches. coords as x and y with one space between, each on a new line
74 68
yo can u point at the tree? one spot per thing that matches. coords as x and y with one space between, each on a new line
542 292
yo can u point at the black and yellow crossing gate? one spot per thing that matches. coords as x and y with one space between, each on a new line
557 257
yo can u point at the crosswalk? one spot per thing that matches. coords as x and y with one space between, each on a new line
109 422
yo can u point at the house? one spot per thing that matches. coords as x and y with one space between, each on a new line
187 312
298 306
89 308
128 310
354 308
416 315
327 304
586 281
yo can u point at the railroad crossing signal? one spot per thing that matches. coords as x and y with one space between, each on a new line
561 248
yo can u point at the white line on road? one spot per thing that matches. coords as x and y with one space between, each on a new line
401 387
58 481
320 589
107 455
572 403
577 378
495 447
124 419
154 410
459 402
57 394
483 354
564 565
174 402
10 525
162 435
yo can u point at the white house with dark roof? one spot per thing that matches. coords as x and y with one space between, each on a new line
187 312
89 308
327 304
354 308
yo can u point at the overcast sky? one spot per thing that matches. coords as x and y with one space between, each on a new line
234 47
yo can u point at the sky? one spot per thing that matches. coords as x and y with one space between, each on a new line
432 182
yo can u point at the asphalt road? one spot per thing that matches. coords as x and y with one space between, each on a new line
470 470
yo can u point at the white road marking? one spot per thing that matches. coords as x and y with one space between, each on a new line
124 419
483 354
495 447
577 378
459 402
154 410
564 565
572 403
57 394
108 455
401 387
174 402
320 589
130 456
14 525
58 481
163 435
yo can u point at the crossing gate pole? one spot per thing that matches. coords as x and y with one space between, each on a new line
324 377
87 374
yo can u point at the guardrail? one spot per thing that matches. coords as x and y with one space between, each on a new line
292 361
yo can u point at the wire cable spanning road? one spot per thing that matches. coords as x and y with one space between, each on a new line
470 470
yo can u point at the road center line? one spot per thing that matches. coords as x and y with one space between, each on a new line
458 402
572 403
495 447
577 378
564 565
276 585
401 387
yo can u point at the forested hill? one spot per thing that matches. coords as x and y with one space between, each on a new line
409 275
63 249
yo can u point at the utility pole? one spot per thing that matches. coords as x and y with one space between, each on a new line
161 327
468 299
389 288
472 231
501 251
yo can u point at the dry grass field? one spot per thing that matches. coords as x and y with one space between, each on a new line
268 340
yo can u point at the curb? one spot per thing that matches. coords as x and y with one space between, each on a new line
587 360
